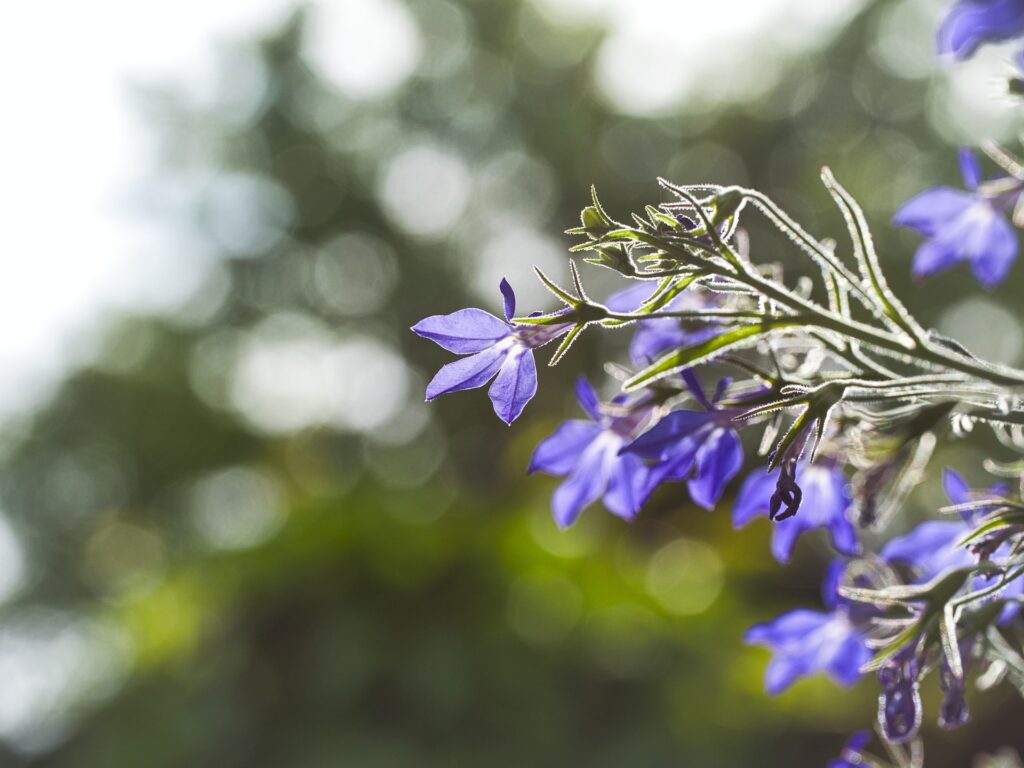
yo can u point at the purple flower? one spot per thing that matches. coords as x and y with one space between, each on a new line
589 453
826 502
496 350
970 23
962 226
852 755
805 642
700 447
931 547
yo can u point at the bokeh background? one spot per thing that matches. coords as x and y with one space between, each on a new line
232 533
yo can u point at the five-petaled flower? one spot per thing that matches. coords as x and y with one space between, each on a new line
700 447
826 503
589 453
496 349
933 546
805 642
970 23
963 226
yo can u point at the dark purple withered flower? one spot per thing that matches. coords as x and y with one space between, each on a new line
588 452
970 23
961 226
953 713
825 503
699 447
805 642
496 349
899 703
852 755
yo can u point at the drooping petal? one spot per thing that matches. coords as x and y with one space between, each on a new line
677 465
784 536
587 398
559 452
468 373
825 503
626 486
515 385
718 460
929 211
509 297
588 481
934 256
992 250
847 657
973 22
463 332
804 642
788 629
782 672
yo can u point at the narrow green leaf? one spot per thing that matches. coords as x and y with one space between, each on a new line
696 353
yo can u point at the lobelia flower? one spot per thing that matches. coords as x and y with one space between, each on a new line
825 504
496 349
931 547
970 23
700 447
805 642
852 755
589 453
960 226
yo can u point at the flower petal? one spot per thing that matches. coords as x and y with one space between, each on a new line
629 299
626 487
588 399
510 298
992 250
463 332
559 452
934 256
973 22
468 373
929 548
659 440
929 211
587 483
718 461
515 385
752 500
970 170
847 657
956 488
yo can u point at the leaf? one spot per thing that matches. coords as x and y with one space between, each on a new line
696 353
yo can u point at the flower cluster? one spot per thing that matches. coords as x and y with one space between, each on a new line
820 414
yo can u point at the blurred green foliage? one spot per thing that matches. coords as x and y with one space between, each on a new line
397 595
